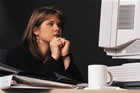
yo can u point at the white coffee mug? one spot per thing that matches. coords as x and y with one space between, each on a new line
98 77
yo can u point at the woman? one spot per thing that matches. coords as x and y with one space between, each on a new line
44 50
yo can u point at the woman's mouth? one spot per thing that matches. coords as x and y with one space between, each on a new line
57 35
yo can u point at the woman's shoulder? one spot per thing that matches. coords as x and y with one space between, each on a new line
20 49
18 54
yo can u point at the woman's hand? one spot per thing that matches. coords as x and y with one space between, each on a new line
65 52
65 48
55 46
59 47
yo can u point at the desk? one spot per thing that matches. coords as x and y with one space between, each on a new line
67 91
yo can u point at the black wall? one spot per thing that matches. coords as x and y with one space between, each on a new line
82 27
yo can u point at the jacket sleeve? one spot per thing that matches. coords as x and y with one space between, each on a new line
73 72
22 59
53 66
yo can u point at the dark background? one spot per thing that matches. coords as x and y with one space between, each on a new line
81 28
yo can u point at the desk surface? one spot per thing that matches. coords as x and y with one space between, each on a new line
66 91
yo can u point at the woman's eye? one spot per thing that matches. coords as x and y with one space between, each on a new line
50 24
60 25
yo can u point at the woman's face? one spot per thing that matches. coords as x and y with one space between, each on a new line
49 29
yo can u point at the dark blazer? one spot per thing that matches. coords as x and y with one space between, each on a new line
21 58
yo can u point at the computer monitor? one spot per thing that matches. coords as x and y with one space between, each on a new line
119 33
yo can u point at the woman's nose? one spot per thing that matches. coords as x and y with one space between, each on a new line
56 28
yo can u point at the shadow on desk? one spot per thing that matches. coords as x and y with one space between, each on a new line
66 91
25 91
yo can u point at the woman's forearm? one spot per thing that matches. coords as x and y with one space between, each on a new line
66 61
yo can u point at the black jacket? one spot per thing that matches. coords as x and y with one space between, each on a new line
22 59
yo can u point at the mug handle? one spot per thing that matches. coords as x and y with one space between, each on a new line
111 78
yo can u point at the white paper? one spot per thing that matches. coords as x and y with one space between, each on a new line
5 81
43 83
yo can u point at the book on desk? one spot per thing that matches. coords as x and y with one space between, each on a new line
14 78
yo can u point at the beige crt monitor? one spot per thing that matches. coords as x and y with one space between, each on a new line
119 33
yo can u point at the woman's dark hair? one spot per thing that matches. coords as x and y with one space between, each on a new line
37 18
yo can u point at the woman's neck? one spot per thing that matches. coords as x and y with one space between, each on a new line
43 48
